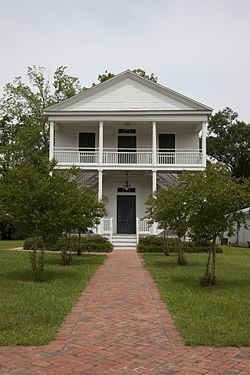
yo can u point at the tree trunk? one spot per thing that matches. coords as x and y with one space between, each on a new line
181 259
79 243
166 251
208 262
213 269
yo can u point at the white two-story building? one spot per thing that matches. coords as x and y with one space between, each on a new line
130 136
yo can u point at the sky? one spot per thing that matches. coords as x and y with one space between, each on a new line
200 48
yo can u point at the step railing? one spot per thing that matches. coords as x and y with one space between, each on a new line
143 227
107 227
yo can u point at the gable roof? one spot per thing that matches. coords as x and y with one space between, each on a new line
128 91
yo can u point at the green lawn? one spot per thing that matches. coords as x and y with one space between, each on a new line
11 244
219 316
30 313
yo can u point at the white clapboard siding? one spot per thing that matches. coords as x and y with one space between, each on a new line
128 95
185 137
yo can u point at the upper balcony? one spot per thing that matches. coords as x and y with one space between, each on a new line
130 159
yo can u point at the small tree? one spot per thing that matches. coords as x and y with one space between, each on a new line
213 201
88 211
168 208
38 204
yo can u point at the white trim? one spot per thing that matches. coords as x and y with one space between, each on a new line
140 116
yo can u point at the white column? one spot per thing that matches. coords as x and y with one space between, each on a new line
154 181
154 188
203 143
51 140
99 185
154 142
100 141
100 226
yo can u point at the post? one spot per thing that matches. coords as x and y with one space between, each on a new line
100 226
154 158
137 230
154 189
51 140
204 144
99 185
100 141
111 229
154 181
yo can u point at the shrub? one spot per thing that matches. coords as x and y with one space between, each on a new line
28 244
67 258
153 244
88 243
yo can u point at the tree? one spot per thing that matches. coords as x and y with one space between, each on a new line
213 198
142 73
23 126
88 211
168 208
44 205
229 142
104 77
107 75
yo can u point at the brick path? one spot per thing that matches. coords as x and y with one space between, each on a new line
120 326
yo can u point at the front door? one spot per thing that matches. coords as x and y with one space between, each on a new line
87 147
126 212
127 149
166 149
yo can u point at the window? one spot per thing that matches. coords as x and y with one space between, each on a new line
125 190
127 131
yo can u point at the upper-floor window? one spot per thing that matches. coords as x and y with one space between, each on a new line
166 142
86 141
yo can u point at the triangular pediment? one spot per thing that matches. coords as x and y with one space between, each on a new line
128 92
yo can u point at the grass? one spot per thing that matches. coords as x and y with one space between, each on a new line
30 313
216 316
10 244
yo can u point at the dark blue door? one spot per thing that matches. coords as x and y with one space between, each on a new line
126 212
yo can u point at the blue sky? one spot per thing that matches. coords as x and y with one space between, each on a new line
197 47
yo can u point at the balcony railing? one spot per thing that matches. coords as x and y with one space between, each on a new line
139 157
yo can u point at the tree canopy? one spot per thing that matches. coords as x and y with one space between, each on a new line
23 125
168 208
229 142
24 129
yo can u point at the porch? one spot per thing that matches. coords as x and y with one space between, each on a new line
132 145
114 157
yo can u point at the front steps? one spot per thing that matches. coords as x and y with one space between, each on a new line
124 241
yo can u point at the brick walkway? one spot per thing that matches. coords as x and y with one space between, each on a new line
120 326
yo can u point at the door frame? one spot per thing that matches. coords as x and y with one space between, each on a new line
125 194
